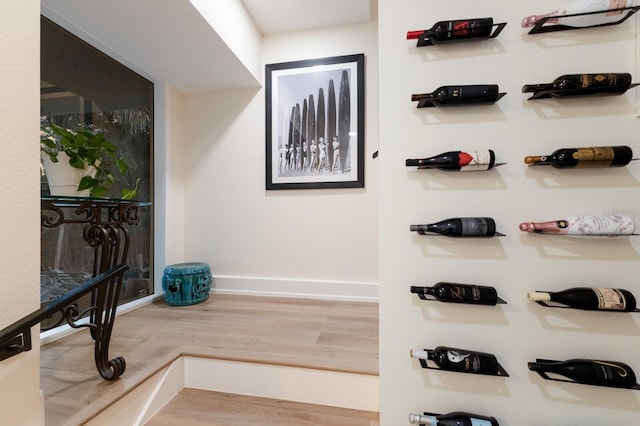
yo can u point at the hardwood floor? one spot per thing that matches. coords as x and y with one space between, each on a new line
320 334
193 407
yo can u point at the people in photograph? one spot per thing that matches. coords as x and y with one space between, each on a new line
322 153
281 158
336 155
298 157
292 157
314 155
305 155
287 156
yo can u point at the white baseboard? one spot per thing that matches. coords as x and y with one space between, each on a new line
356 291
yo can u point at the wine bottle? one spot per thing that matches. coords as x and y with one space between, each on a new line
459 293
457 418
602 299
461 29
590 7
588 372
568 85
609 225
570 158
474 94
457 161
459 227
461 360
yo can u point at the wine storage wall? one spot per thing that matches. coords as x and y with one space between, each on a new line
520 331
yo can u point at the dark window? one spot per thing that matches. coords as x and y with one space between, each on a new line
82 87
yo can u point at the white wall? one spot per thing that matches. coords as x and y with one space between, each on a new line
300 242
20 209
520 331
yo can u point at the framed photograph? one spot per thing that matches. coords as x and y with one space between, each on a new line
315 123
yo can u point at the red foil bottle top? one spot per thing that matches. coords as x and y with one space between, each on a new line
412 35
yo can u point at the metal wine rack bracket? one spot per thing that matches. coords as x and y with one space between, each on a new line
425 40
545 94
424 297
539 27
545 376
427 103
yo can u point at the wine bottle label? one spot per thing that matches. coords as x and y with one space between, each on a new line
479 422
594 157
610 298
598 80
472 362
612 372
475 160
464 293
475 226
597 225
469 28
463 360
459 28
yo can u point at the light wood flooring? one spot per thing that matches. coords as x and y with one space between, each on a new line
320 334
193 407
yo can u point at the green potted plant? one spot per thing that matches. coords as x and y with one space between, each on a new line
89 153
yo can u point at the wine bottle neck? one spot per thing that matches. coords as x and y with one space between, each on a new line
421 290
412 35
420 354
421 96
530 88
418 419
421 229
551 226
539 296
534 160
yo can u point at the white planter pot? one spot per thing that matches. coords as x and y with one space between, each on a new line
63 178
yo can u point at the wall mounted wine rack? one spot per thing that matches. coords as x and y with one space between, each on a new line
540 26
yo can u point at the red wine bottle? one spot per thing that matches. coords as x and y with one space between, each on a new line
459 227
576 158
461 360
462 29
457 418
474 94
457 161
602 299
581 85
459 293
587 372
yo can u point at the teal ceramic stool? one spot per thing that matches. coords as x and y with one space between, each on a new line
186 283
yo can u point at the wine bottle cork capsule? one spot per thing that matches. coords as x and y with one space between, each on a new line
417 353
530 159
527 227
538 296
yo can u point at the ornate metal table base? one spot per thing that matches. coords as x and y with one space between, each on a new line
105 231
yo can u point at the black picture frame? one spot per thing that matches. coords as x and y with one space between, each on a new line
308 100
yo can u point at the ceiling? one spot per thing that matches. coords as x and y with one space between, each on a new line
278 16
170 41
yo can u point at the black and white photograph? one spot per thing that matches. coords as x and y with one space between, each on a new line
315 123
